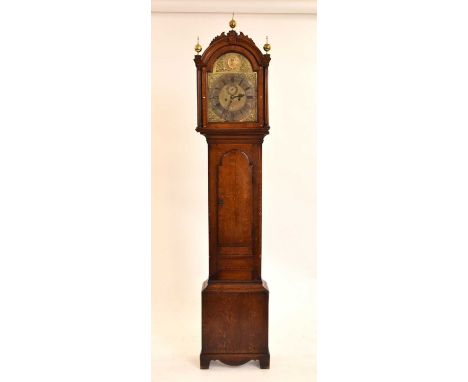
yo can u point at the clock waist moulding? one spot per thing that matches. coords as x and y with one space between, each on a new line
232 97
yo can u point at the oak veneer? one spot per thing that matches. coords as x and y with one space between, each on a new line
234 298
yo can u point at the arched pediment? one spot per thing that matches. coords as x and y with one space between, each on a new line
232 42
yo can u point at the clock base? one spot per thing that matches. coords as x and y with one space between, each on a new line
235 323
235 359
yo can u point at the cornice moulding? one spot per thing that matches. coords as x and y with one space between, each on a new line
239 6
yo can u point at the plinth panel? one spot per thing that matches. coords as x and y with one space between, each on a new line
235 323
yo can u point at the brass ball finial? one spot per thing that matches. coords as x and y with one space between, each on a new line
267 46
198 47
232 23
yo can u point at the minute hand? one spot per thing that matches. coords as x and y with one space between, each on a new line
239 96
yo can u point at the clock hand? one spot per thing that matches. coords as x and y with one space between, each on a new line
229 104
238 96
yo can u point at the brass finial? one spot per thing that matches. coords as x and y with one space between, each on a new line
232 23
198 47
267 46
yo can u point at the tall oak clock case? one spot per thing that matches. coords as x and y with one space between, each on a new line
232 95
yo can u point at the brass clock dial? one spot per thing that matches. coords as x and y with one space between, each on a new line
233 98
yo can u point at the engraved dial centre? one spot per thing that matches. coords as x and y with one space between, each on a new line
232 98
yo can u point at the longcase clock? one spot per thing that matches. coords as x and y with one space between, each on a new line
232 95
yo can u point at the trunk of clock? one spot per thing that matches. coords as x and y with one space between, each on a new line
234 298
